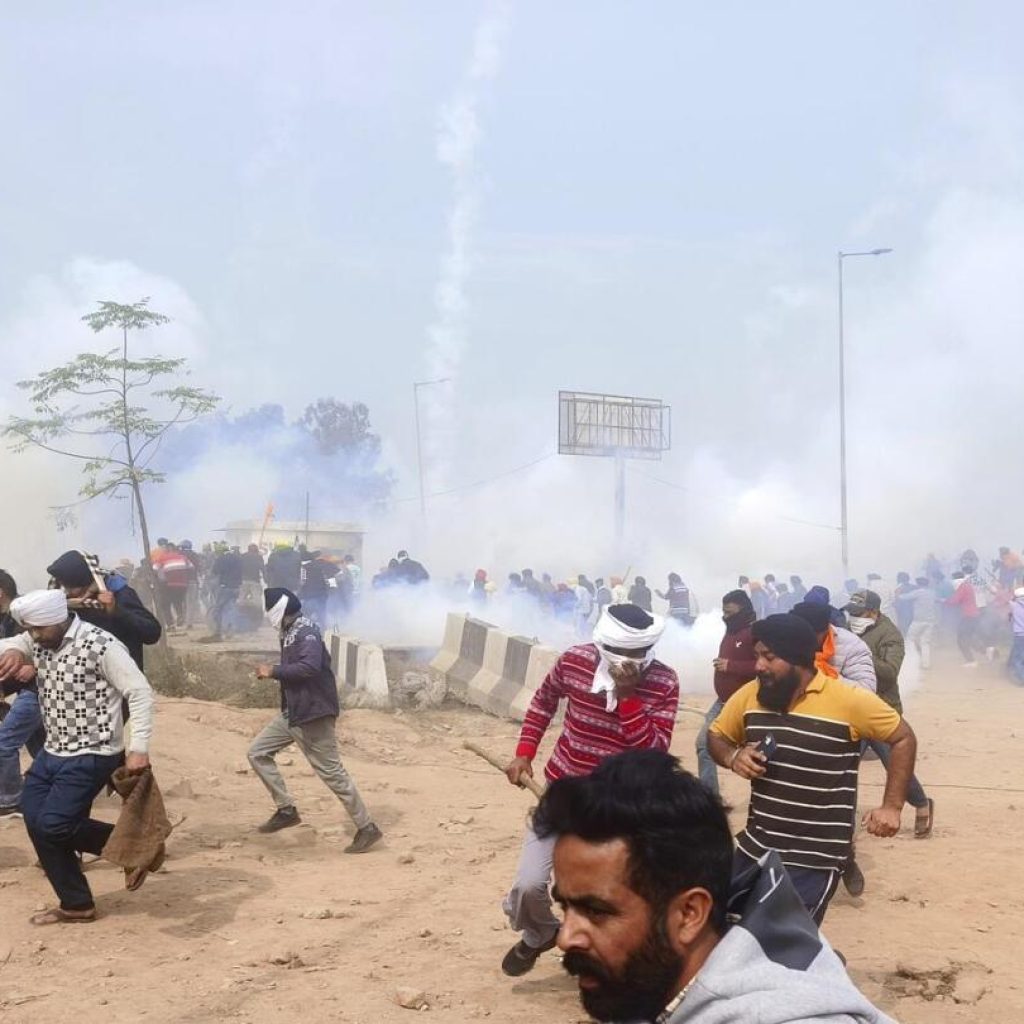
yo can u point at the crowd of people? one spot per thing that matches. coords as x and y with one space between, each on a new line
71 656
805 687
580 600
978 607
220 587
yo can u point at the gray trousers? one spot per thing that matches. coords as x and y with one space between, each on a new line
920 635
319 745
528 904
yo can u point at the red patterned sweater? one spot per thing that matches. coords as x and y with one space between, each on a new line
590 733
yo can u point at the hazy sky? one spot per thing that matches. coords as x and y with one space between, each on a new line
659 191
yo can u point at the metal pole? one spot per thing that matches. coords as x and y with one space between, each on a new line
419 449
620 501
844 515
307 519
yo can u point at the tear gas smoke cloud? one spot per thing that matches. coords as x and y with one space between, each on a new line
588 271
457 142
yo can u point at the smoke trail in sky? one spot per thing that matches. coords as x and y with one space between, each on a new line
458 138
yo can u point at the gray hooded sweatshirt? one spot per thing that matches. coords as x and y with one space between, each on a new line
772 966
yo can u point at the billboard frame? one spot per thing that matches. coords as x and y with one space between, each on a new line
623 426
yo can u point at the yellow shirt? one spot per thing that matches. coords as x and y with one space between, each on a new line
827 699
803 806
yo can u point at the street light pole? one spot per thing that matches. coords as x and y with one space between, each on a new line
419 436
844 521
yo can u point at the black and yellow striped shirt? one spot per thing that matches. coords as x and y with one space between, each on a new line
804 804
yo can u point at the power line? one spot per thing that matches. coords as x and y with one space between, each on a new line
485 481
688 490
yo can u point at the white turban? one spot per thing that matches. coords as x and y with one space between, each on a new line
613 632
40 608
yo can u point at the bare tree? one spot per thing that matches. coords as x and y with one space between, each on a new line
110 412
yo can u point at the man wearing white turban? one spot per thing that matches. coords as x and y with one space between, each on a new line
83 674
618 697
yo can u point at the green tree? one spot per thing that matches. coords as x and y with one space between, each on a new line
110 412
337 426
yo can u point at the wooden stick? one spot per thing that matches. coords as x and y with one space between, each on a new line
531 784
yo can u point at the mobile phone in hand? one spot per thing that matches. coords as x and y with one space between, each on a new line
767 746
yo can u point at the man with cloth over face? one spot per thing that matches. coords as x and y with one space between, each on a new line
308 718
618 697
653 928
795 733
83 674
734 667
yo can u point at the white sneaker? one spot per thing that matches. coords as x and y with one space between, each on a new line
970 664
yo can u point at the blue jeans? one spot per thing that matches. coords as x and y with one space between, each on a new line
222 614
915 793
56 802
1016 662
22 727
814 886
707 770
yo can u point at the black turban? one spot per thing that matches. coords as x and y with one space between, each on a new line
788 637
818 616
272 595
631 615
71 570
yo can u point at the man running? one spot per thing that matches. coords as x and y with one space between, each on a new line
83 674
618 697
795 733
308 717
656 930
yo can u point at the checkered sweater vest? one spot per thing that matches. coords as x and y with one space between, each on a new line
75 696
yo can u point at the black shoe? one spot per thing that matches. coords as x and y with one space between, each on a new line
853 878
283 818
364 839
10 812
519 960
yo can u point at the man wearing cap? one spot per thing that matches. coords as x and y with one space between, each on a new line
888 650
734 667
104 599
840 653
617 697
308 718
795 733
83 674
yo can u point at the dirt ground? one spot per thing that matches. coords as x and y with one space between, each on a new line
245 927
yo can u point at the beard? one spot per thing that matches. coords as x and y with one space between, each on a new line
777 694
640 991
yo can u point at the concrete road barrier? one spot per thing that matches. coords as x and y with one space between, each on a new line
490 669
360 666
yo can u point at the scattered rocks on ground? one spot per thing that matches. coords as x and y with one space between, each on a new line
320 914
288 959
411 998
181 790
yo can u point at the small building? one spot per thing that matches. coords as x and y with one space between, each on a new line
338 539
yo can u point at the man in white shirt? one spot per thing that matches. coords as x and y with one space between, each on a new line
83 674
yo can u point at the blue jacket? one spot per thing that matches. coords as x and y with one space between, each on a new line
308 688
